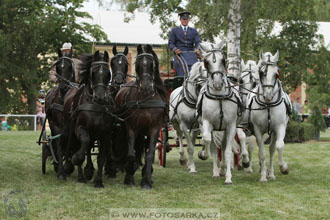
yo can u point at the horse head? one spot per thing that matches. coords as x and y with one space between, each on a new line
65 70
146 69
119 67
214 62
95 74
268 73
249 77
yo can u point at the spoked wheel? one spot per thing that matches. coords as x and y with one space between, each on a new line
161 145
44 152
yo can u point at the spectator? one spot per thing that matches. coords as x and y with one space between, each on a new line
297 106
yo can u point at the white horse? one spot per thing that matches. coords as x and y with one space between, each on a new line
182 111
269 113
219 108
248 80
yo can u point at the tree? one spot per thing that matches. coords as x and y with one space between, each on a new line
30 33
295 40
318 86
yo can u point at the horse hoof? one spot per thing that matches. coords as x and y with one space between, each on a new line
129 180
183 162
249 171
68 167
146 186
89 172
246 165
82 180
239 167
263 180
284 170
271 177
228 183
98 185
61 177
192 172
201 156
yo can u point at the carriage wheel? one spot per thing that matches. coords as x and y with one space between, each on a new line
44 153
161 147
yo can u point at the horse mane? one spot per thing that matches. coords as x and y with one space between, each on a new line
158 82
84 68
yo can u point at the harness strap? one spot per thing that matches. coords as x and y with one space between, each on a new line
55 106
145 104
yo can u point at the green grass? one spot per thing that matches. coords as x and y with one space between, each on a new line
303 194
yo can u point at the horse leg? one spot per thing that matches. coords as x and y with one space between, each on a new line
250 142
61 175
98 182
131 165
214 153
146 182
190 149
230 133
79 157
207 138
89 168
183 160
280 146
81 178
262 154
271 175
244 153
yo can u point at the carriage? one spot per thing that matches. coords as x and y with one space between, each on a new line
144 102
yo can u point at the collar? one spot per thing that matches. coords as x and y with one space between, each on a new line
182 27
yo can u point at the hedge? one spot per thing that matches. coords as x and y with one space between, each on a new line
300 132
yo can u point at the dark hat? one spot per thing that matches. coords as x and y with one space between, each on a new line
184 15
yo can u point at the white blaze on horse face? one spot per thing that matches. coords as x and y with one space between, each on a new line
269 79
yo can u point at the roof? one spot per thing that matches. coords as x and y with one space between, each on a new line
137 31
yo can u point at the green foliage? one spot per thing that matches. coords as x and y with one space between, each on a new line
300 132
30 30
294 41
318 86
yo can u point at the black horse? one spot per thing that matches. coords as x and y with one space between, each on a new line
54 105
90 111
143 105
117 157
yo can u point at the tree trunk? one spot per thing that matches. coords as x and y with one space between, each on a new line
233 38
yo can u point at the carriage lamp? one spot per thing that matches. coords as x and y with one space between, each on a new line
42 96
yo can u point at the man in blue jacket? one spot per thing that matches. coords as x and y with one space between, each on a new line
184 41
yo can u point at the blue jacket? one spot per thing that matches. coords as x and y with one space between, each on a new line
188 42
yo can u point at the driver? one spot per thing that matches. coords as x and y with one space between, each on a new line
184 41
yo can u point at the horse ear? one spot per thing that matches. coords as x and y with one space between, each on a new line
59 52
261 55
221 44
96 55
106 56
276 56
114 50
203 49
126 51
148 48
242 65
139 49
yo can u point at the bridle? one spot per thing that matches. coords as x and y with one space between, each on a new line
252 79
144 56
62 59
122 58
212 52
263 72
94 66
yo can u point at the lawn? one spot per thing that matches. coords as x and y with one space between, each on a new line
303 194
